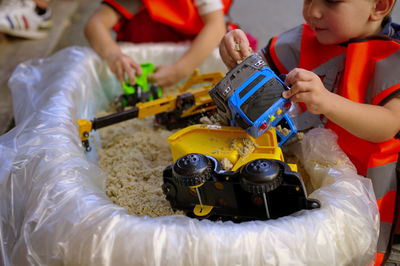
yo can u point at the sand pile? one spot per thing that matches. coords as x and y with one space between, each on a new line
134 154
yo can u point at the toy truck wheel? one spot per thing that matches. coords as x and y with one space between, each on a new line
260 176
192 169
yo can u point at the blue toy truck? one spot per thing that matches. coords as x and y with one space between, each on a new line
250 96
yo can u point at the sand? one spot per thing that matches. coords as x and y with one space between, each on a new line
134 154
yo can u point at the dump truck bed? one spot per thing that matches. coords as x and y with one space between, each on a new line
232 143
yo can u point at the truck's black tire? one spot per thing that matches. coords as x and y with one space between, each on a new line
260 176
192 169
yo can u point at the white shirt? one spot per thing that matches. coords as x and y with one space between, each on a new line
208 6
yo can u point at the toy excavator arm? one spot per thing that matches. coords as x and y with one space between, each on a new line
186 103
139 111
212 78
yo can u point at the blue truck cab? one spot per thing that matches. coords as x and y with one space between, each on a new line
250 96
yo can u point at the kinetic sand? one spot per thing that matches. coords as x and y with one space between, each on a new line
134 155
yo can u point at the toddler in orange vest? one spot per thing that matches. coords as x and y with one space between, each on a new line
343 67
141 21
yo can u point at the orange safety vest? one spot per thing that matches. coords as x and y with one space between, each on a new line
182 15
364 71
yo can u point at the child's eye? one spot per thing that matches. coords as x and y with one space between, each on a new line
332 1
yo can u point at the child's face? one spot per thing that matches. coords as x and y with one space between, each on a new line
336 21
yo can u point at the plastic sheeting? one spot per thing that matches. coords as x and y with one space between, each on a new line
54 210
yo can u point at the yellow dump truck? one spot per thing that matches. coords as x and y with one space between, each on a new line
257 185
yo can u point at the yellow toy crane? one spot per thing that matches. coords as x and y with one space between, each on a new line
172 111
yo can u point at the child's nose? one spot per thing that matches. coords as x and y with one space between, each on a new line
314 9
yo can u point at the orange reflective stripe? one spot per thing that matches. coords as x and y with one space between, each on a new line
388 154
386 206
357 75
384 94
275 58
360 67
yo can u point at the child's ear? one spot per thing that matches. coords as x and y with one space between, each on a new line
381 9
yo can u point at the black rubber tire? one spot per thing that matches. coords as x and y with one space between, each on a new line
192 169
260 176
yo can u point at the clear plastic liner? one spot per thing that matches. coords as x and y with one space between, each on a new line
54 210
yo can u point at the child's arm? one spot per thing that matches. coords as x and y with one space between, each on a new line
97 31
201 47
370 122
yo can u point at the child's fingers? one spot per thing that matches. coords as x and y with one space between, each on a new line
226 57
119 71
286 94
128 73
298 74
291 77
230 48
300 97
236 44
296 88
242 47
136 67
131 75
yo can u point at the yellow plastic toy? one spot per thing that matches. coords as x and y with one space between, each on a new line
222 142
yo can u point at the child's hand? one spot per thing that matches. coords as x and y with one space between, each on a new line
234 48
120 64
308 88
165 76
